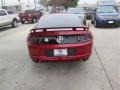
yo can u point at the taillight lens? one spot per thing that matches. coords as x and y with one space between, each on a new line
45 40
30 15
83 38
34 39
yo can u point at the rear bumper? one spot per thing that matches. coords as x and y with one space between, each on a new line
106 22
67 58
82 50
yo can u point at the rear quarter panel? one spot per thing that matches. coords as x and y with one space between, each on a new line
13 16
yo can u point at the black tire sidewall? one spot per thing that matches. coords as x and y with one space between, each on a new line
96 24
13 23
33 20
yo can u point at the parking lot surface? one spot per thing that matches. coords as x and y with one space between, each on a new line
18 72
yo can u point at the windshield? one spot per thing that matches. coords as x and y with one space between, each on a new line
29 11
106 9
49 21
75 11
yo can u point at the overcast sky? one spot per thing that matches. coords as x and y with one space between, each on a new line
12 2
91 1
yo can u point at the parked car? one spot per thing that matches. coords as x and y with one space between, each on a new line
90 12
106 15
80 12
30 16
60 41
8 18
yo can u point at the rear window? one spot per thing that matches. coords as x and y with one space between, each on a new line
38 12
29 11
59 20
76 11
90 9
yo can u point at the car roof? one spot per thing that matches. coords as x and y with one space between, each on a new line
76 8
59 20
2 9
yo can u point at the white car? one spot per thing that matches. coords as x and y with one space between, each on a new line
80 12
8 18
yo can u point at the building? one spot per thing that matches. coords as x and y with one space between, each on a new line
87 5
22 7
106 2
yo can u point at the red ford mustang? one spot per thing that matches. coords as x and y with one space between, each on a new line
60 37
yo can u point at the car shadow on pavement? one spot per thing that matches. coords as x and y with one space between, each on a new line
63 67
26 23
109 27
5 28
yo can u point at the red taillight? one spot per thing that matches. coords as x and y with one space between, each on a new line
84 37
33 39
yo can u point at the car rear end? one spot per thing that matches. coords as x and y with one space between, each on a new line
107 15
90 12
26 16
108 19
60 43
81 12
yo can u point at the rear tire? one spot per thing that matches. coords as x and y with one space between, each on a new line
92 22
23 22
84 22
33 20
85 59
14 23
35 61
96 24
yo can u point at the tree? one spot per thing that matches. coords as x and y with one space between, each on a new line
70 3
44 2
64 3
2 3
19 1
20 5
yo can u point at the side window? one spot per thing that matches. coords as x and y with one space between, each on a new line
10 12
39 12
2 13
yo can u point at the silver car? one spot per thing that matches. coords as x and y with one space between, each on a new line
78 11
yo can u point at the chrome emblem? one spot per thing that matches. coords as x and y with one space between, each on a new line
60 39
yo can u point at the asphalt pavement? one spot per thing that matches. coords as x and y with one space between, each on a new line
18 72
